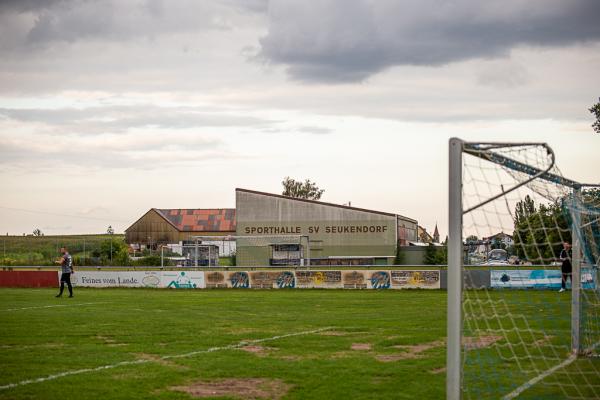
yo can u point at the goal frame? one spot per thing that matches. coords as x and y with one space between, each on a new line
455 278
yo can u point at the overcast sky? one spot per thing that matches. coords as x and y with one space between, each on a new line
109 108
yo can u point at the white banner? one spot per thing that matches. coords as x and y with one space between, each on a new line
162 279
182 279
115 278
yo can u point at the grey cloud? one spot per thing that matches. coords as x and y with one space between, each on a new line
115 119
144 153
79 20
20 6
503 75
257 6
313 130
317 130
350 40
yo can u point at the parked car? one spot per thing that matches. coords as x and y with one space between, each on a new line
496 257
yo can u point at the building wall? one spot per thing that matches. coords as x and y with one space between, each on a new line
333 231
152 229
413 255
407 230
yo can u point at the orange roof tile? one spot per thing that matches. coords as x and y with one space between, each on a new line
201 220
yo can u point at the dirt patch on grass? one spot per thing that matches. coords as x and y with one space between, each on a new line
342 354
258 350
480 342
32 346
361 346
419 348
242 331
438 371
545 341
159 360
246 389
109 341
410 351
333 333
294 357
391 357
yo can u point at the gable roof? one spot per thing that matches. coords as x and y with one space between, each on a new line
316 202
500 235
197 219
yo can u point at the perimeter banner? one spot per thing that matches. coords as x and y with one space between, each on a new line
115 278
182 279
537 279
262 279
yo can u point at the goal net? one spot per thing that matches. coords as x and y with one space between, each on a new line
249 251
516 224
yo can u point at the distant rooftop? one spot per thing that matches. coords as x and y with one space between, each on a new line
200 220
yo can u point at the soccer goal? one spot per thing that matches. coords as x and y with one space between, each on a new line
515 223
250 251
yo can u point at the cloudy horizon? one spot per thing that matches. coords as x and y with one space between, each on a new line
110 108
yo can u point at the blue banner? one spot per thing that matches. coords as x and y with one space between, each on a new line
537 278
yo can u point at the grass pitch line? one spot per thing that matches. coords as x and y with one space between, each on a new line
55 305
545 374
540 377
145 361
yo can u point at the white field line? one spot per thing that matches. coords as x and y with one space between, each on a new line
545 374
55 305
144 361
540 377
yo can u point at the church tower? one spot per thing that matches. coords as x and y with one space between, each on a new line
436 235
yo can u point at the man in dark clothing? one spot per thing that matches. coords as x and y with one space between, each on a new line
66 264
566 269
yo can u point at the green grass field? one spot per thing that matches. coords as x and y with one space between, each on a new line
336 344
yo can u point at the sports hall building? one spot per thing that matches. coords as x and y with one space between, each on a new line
272 229
336 234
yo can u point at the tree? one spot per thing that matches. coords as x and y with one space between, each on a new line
471 243
37 232
399 260
112 248
435 255
301 190
596 111
540 231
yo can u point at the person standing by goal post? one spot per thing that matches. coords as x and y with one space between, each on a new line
66 264
566 268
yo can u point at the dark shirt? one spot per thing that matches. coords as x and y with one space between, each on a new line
565 256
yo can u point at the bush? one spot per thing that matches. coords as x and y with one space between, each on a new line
435 255
399 260
151 261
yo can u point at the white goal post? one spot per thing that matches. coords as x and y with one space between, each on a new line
506 337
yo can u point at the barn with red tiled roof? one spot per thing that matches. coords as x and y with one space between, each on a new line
162 226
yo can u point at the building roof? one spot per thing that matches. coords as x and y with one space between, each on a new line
323 203
200 220
500 235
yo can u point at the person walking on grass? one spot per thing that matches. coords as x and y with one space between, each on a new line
66 264
566 269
